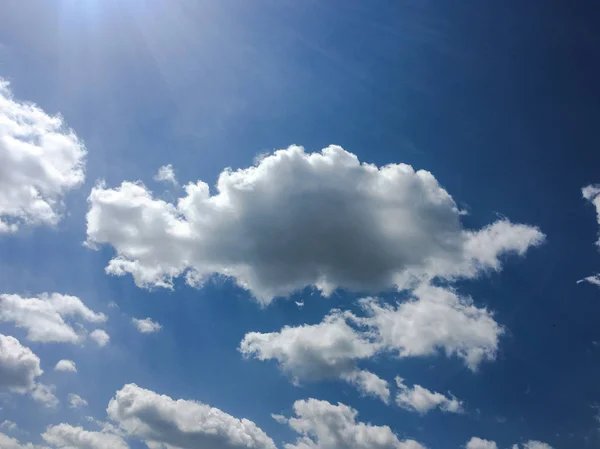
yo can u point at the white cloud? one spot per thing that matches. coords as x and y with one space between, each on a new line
146 326
66 365
64 436
421 400
184 424
436 319
166 174
100 337
8 425
536 445
48 317
592 194
19 366
593 279
296 220
323 425
369 384
312 352
328 350
478 443
76 401
7 442
40 161
45 394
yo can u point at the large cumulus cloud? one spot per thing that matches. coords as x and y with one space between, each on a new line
160 420
40 161
297 219
323 425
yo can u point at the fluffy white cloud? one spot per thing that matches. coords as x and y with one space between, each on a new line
160 420
166 174
323 425
592 194
100 337
327 350
40 161
312 352
421 400
7 442
48 317
64 436
45 395
19 366
146 326
369 383
76 401
478 443
295 220
435 319
66 365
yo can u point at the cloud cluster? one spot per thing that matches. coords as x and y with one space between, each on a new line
421 400
7 442
160 420
48 317
435 319
146 325
478 443
328 350
592 194
40 161
323 425
65 436
297 219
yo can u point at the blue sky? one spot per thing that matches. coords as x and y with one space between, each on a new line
497 101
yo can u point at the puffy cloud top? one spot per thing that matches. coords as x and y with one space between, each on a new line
100 337
65 436
478 443
66 365
327 350
435 319
421 400
295 220
160 420
47 316
40 161
327 426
